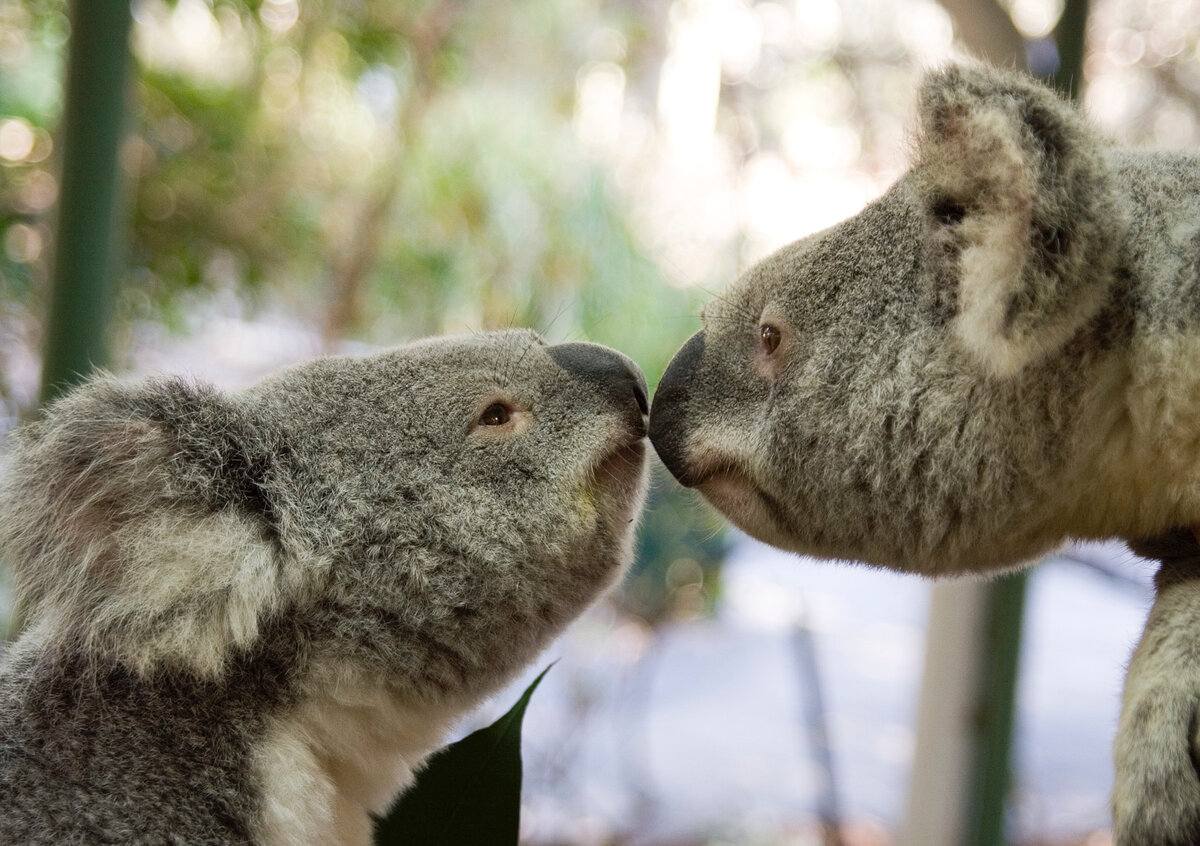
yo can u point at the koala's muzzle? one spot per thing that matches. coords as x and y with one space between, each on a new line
668 417
614 375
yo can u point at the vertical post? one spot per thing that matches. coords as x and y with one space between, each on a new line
88 229
939 783
995 710
1070 36
829 813
89 216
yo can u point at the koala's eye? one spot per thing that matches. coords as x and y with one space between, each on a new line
496 414
771 336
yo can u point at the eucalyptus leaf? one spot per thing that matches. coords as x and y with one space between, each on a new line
469 794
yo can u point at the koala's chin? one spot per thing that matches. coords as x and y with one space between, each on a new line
730 488
252 615
737 498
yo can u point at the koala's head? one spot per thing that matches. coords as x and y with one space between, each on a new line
905 387
434 513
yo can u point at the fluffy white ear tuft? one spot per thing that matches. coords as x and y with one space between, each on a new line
1021 219
139 527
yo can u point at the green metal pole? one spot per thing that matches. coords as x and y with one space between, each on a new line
1069 38
1004 603
89 227
89 206
1004 610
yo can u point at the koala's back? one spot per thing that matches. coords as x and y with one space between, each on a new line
91 756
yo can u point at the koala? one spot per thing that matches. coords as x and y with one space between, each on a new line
999 354
252 615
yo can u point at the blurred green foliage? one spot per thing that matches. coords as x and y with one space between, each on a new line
32 37
676 573
383 169
393 169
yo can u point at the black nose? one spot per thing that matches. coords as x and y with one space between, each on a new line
614 374
668 418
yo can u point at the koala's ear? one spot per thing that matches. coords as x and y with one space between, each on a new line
139 523
1022 223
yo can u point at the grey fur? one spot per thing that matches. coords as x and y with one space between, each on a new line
997 355
223 588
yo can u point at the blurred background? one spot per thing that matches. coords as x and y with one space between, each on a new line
304 176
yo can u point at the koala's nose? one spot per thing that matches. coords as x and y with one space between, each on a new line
614 374
668 417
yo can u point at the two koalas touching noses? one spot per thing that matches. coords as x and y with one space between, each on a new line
252 615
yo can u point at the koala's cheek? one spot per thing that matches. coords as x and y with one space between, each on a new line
584 501
612 494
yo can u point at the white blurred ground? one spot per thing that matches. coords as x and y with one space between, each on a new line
695 735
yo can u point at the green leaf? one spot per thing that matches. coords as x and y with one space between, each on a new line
468 793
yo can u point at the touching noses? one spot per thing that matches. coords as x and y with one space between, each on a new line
669 417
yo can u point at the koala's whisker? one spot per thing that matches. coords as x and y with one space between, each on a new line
712 534
524 352
509 364
504 370
600 321
731 320
511 322
562 310
721 296
739 309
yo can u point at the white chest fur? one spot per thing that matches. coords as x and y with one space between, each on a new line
339 756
